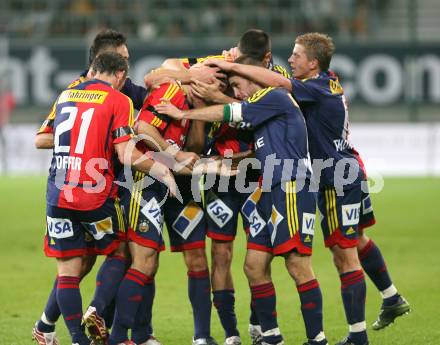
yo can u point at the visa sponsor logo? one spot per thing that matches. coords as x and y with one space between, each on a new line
59 227
153 213
308 223
219 212
350 214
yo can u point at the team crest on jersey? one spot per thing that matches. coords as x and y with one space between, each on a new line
275 219
59 227
350 214
188 219
100 228
308 223
153 213
219 212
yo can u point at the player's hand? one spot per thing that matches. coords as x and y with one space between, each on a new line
167 108
231 54
187 159
208 92
205 73
221 64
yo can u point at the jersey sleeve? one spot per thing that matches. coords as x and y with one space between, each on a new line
148 114
261 107
47 126
135 92
303 91
123 120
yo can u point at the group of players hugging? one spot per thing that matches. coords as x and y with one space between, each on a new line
266 145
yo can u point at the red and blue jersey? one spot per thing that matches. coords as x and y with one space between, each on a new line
324 106
279 133
88 120
173 131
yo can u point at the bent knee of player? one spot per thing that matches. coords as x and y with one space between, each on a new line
144 259
345 259
299 267
221 255
195 259
255 272
70 266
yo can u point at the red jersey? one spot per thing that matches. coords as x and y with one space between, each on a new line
87 121
173 131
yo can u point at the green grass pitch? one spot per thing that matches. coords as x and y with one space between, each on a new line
407 231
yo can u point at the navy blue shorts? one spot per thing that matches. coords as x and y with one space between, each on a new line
284 220
343 215
71 233
143 204
222 208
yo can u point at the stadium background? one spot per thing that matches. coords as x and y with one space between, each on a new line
388 59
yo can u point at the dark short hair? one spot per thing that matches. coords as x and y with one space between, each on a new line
106 39
318 46
110 63
255 43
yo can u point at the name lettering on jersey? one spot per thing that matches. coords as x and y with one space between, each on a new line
59 227
259 143
335 87
342 144
83 96
68 162
219 212
308 223
350 214
260 94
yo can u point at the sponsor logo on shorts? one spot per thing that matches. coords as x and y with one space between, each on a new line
59 227
188 219
256 223
367 207
308 223
350 214
275 220
100 228
219 212
153 214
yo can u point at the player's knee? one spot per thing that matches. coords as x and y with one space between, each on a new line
144 260
221 255
345 260
254 272
299 268
195 259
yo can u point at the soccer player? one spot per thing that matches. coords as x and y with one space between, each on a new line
92 127
224 203
283 221
185 223
347 214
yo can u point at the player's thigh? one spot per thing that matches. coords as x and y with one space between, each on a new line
144 209
65 237
340 216
292 220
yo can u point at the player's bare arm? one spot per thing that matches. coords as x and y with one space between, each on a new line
138 160
259 75
208 114
155 141
44 141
